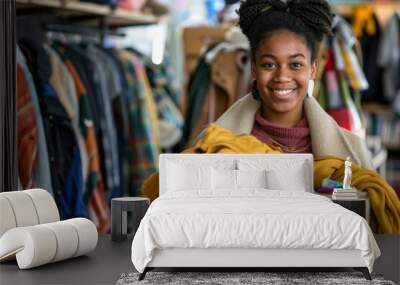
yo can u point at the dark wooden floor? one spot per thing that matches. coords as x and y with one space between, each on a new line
106 264
102 266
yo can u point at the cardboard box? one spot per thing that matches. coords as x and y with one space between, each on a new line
197 38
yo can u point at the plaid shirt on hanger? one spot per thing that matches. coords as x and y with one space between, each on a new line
144 132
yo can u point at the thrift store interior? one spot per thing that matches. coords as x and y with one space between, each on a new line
147 141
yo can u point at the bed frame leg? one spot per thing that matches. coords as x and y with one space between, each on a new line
143 274
364 271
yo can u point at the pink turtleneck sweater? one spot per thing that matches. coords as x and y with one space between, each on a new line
290 140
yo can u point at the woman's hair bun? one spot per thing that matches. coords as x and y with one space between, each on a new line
314 14
250 9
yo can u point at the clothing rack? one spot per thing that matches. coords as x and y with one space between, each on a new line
74 29
101 17
97 35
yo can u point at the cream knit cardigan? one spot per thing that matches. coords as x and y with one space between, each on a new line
327 138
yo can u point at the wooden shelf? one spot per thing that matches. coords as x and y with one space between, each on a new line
393 150
80 10
376 108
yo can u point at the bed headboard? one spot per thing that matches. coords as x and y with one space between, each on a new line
292 169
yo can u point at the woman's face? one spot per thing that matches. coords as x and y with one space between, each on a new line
282 68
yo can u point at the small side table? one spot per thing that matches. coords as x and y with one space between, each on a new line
360 206
119 218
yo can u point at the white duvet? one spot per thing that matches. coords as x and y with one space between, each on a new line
252 218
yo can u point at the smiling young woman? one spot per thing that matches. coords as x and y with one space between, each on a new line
282 69
284 37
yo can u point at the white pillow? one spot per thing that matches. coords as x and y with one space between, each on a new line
229 179
279 180
282 174
251 178
182 177
223 179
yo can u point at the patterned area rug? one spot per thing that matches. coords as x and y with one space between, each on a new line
273 278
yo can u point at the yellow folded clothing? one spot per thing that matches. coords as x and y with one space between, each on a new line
220 140
384 201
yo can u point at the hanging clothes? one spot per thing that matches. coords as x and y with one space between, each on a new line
27 131
92 77
170 118
65 161
331 83
120 111
109 89
94 193
99 121
346 40
389 58
64 86
363 21
221 77
197 90
41 168
368 31
170 76
342 79
226 86
114 91
144 130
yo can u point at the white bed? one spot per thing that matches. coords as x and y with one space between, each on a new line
226 211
